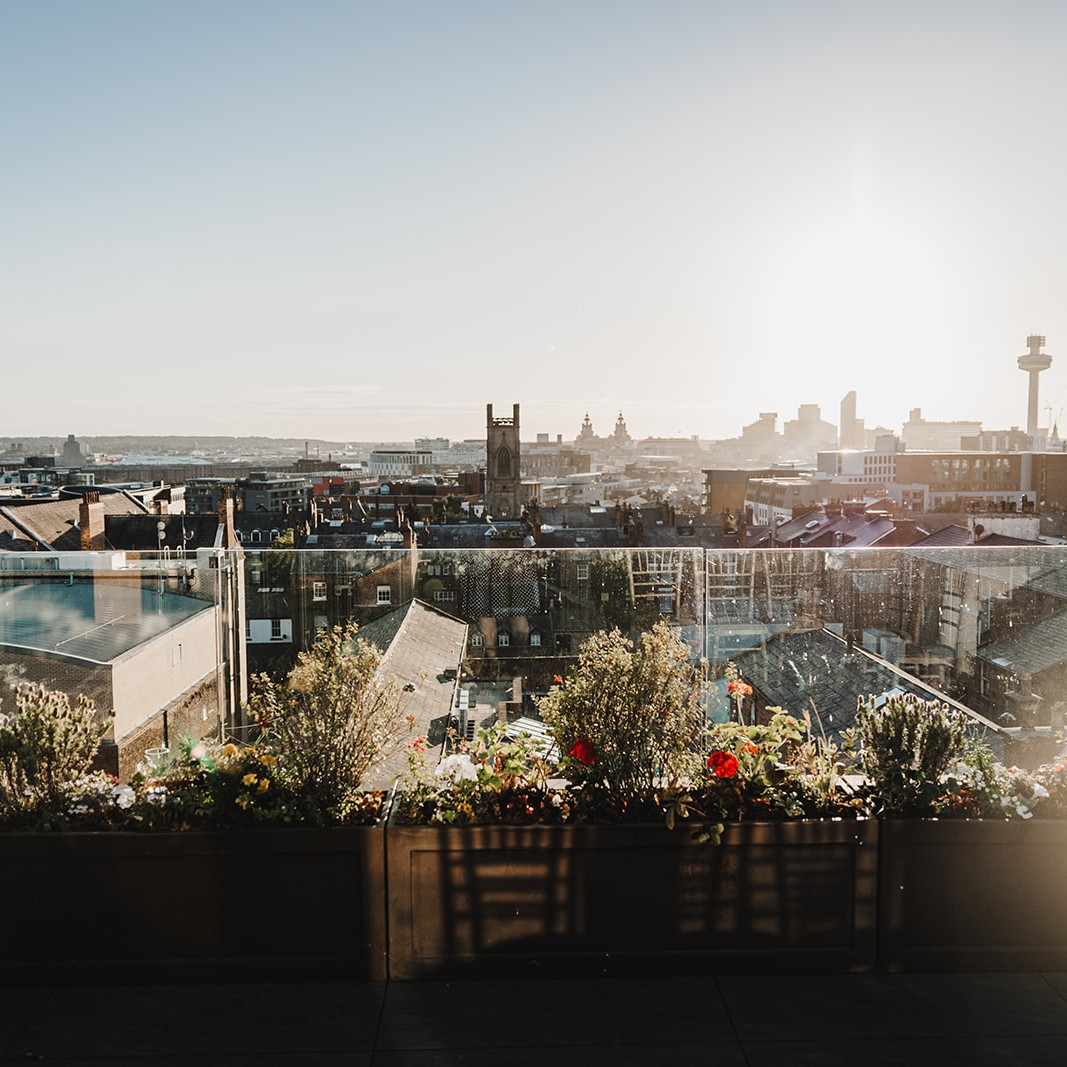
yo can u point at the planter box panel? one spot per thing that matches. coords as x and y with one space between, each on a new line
498 899
288 902
973 895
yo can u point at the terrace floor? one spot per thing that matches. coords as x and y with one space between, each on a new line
872 1019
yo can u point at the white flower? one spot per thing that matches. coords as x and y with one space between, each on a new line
123 796
1040 792
456 768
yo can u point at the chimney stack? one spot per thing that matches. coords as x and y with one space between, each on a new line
91 522
225 514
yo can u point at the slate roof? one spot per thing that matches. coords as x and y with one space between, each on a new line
423 652
956 535
1036 649
140 533
1052 582
815 667
54 524
948 536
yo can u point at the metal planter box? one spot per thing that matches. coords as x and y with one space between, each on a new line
960 895
266 903
594 899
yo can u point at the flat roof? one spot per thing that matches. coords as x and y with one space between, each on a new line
93 618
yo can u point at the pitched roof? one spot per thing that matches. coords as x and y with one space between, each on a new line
817 669
1035 648
54 523
424 648
947 536
141 532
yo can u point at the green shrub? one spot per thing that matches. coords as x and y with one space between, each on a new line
908 745
45 746
329 723
630 717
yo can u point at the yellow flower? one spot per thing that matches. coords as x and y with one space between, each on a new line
228 751
264 785
242 800
267 759
250 779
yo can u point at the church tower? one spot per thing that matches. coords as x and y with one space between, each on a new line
502 477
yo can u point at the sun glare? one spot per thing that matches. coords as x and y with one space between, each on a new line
859 281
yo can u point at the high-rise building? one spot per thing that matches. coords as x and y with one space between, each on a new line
850 434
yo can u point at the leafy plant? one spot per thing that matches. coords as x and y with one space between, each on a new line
629 718
45 745
908 745
495 779
330 722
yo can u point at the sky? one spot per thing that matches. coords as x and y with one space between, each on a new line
366 221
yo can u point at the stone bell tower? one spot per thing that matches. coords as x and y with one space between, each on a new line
502 477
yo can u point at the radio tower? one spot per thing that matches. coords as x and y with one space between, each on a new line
1034 362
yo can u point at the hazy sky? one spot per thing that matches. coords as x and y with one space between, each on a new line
367 220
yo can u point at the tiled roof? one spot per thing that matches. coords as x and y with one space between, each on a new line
816 671
421 661
140 532
1036 649
55 523
1052 582
951 535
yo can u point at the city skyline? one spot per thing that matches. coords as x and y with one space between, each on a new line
354 222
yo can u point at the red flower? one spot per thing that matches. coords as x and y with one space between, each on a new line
737 688
584 751
557 678
724 764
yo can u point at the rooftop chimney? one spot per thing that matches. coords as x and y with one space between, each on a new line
225 513
91 522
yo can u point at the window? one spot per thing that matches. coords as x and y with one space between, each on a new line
318 591
275 629
503 640
255 575
535 640
583 572
503 462
444 596
257 537
385 594
476 641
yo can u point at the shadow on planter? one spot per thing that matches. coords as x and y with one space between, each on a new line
959 895
594 899
262 905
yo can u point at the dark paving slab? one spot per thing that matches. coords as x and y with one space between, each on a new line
16 1006
957 1051
852 1007
121 1023
565 1013
713 1055
296 1059
1058 981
